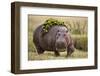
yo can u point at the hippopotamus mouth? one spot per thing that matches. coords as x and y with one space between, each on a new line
61 47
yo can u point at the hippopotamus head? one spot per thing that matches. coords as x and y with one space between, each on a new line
62 38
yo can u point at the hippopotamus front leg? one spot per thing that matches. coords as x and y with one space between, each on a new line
57 53
70 50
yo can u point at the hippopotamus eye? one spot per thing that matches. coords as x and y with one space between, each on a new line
67 31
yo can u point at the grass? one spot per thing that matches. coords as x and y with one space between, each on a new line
80 42
50 55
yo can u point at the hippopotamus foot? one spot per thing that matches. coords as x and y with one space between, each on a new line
40 50
57 53
69 52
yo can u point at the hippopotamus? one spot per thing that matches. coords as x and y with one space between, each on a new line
57 38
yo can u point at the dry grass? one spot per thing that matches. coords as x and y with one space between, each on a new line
50 55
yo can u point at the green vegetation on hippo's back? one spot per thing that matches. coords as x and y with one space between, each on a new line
51 22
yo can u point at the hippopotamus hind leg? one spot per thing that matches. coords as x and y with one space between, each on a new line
39 50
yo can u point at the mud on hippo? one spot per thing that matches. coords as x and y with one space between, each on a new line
57 38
